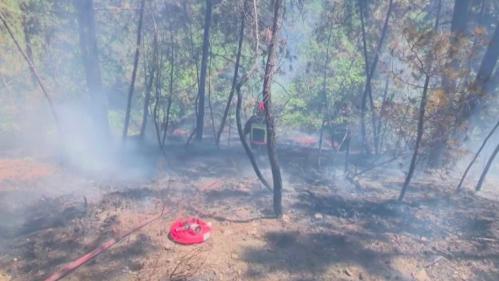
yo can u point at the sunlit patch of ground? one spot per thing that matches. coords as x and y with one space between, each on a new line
16 172
4 277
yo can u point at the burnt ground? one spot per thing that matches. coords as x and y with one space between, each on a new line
333 228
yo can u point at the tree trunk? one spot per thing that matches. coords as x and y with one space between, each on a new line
158 85
366 64
89 52
347 153
267 99
202 77
370 70
458 28
419 136
483 84
134 71
152 73
27 24
487 167
157 99
35 73
422 108
476 155
325 101
321 136
170 97
460 17
238 87
489 62
242 137
381 112
210 105
234 79
170 90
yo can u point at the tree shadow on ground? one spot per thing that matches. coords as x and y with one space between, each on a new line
379 217
312 254
225 194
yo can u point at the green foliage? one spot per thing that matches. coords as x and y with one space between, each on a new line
321 68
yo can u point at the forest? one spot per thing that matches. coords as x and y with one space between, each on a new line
249 140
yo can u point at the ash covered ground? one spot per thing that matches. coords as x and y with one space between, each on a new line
334 228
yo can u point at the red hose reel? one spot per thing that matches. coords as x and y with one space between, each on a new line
190 231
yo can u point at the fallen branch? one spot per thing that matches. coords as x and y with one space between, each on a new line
377 165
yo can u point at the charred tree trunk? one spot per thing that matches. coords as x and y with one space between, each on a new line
476 155
27 24
170 99
422 109
152 73
242 137
195 60
366 64
158 87
321 137
487 167
134 71
267 98
460 17
379 126
157 101
238 87
481 87
234 79
210 105
419 136
347 152
370 70
170 90
89 52
458 28
325 102
204 66
35 73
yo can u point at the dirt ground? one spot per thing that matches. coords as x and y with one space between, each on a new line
333 228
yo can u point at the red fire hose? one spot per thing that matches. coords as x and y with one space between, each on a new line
72 266
202 228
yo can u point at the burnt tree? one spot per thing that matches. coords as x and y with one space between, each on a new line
28 23
483 83
487 168
422 109
267 99
153 71
134 71
234 79
370 69
204 66
476 155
